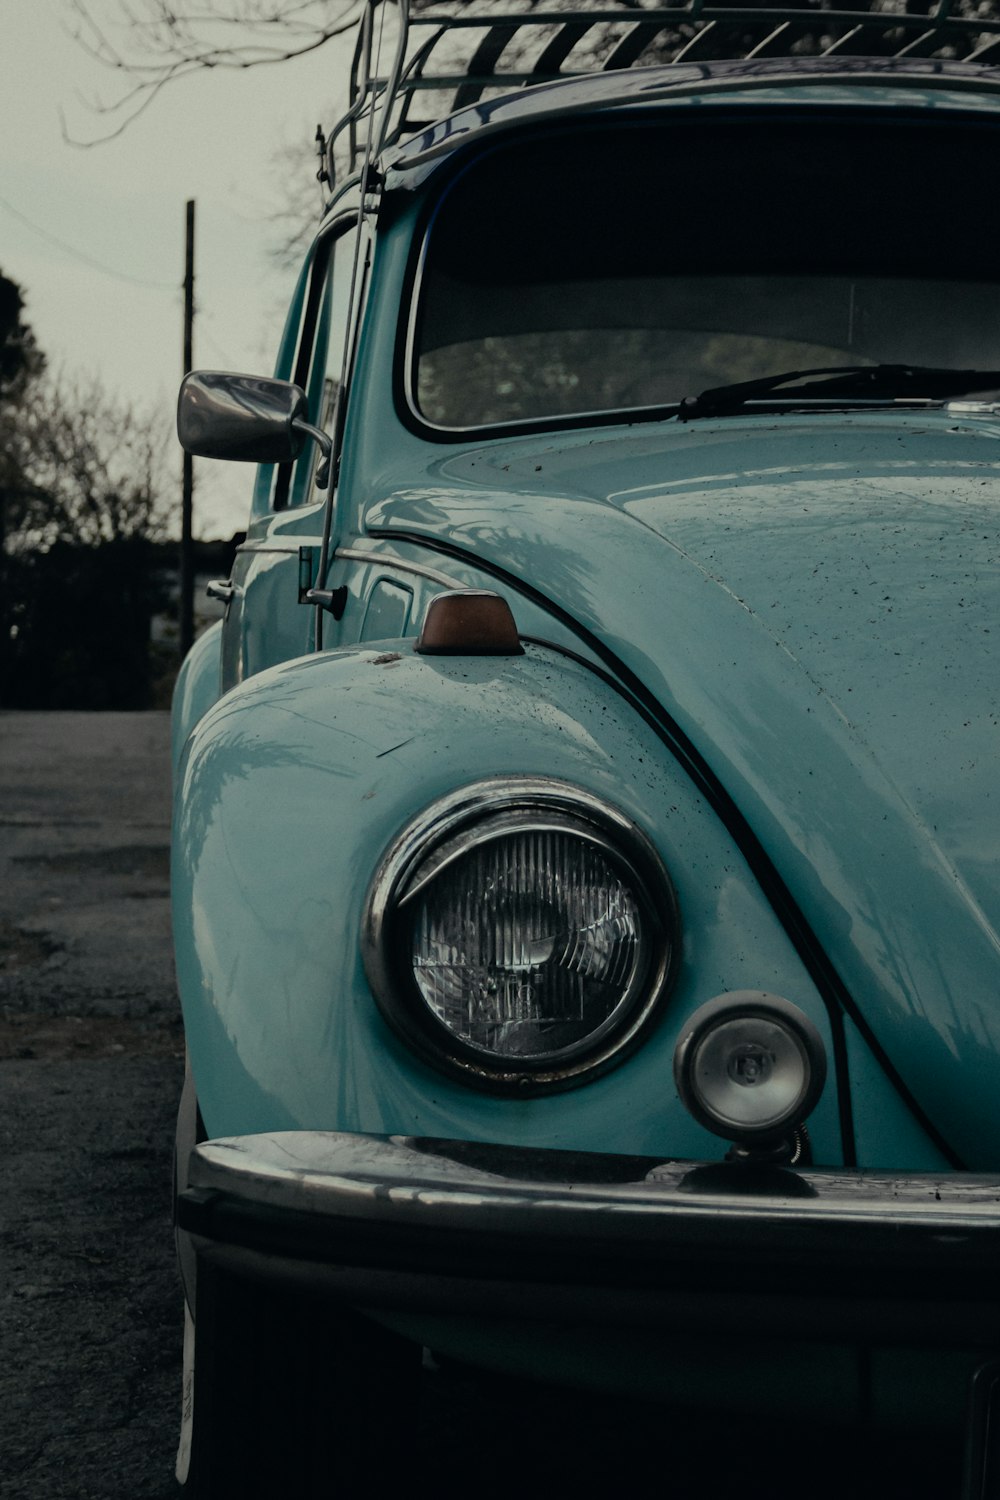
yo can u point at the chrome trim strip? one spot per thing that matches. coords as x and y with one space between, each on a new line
253 547
416 291
386 559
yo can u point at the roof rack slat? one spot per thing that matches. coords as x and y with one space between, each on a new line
484 60
839 42
762 46
984 50
555 52
703 33
435 52
632 45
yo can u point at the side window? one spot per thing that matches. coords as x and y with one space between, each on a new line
284 365
322 356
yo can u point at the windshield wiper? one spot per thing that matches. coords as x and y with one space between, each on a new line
855 382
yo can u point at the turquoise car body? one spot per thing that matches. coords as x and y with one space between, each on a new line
769 639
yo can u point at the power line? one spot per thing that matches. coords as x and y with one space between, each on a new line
81 255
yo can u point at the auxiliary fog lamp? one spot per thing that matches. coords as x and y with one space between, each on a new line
750 1067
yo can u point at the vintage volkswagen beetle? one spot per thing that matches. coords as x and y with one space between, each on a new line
585 874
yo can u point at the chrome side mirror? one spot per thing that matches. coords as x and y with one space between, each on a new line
248 418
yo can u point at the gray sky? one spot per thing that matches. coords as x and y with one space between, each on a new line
120 205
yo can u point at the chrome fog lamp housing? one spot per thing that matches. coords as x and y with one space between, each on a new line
520 934
750 1066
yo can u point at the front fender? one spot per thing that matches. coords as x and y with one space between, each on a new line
290 791
196 689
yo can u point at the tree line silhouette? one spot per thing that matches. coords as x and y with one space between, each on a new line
86 559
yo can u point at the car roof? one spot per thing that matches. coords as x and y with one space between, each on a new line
933 82
444 71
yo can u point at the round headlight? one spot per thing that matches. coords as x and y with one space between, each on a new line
521 933
750 1066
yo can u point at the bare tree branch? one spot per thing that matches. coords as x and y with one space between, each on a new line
154 42
82 467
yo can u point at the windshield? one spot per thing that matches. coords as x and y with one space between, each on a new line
628 268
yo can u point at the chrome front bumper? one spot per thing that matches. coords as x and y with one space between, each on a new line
394 1222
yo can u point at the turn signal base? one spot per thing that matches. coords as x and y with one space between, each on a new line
469 622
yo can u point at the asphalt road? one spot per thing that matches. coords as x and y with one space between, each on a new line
90 1070
91 1058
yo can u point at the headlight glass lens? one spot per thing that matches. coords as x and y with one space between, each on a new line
520 934
527 945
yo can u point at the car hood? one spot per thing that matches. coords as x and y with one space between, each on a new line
815 601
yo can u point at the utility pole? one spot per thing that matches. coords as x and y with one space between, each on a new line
186 606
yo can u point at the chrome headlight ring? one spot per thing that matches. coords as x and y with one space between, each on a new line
521 934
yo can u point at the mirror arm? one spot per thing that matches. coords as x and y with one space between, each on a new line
334 600
325 447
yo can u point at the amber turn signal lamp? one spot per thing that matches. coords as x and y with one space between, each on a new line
469 622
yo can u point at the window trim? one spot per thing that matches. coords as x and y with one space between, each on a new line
305 352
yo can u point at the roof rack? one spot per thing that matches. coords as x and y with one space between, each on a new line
444 56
